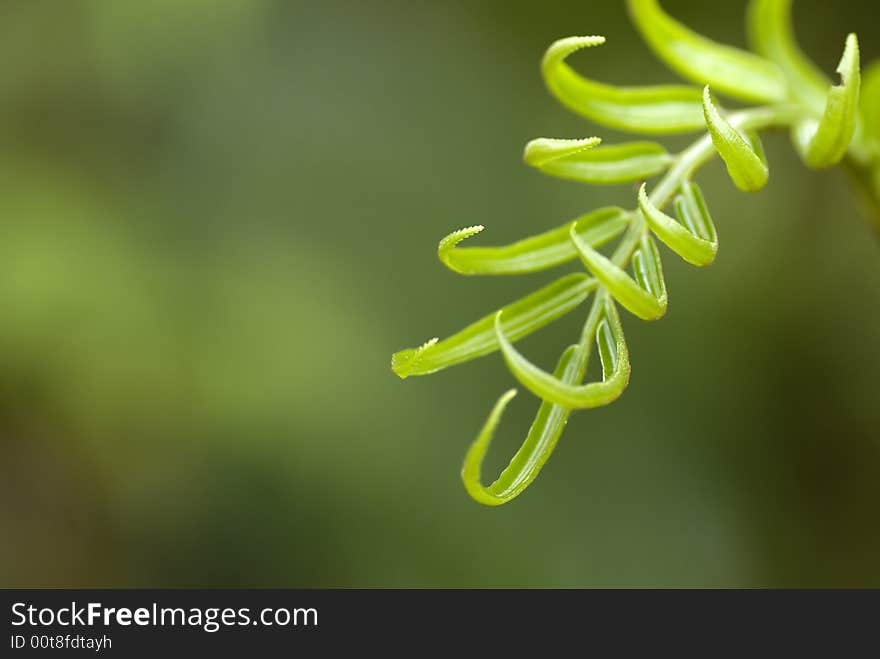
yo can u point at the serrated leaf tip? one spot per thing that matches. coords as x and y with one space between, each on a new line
545 149
562 48
404 363
456 237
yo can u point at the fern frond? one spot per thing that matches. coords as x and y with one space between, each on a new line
830 124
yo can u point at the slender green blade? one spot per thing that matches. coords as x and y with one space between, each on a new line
681 239
694 212
745 166
735 72
824 143
537 448
639 301
648 269
534 254
620 163
520 319
605 328
658 109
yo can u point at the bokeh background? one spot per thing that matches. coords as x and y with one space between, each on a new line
218 219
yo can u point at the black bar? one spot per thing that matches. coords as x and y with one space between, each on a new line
326 621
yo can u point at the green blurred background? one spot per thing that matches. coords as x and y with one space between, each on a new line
219 219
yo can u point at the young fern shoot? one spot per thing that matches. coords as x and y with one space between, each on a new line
830 124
